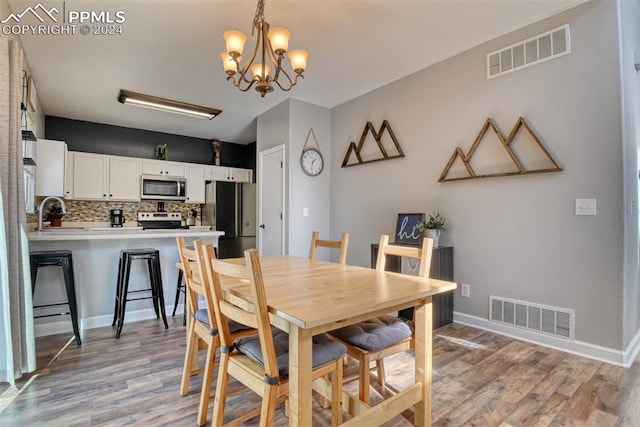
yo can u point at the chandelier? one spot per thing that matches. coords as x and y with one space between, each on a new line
271 46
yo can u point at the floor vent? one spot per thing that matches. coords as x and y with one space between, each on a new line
541 48
556 321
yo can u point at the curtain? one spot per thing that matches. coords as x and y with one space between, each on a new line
17 342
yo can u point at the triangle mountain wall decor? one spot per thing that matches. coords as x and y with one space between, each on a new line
524 152
364 154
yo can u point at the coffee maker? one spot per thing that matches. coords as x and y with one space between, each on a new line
117 217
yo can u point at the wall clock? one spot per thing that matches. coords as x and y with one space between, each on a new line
311 160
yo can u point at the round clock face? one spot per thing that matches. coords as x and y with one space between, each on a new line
311 162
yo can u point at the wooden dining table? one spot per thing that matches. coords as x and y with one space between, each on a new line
307 297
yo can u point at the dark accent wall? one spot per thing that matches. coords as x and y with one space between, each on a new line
99 138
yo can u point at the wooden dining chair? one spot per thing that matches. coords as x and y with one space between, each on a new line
342 244
377 338
261 361
202 331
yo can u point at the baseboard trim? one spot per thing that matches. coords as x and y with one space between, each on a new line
632 351
53 328
580 348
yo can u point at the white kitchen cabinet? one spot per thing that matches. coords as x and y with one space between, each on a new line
195 175
222 173
68 176
162 167
124 178
102 177
90 176
29 188
29 150
50 159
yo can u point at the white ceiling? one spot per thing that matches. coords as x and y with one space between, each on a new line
170 48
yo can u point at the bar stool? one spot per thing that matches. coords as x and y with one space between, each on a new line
61 259
180 288
152 256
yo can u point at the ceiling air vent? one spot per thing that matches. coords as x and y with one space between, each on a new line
541 48
545 319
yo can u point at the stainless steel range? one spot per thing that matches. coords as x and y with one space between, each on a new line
160 220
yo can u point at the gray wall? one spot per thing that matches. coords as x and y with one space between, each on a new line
515 237
288 123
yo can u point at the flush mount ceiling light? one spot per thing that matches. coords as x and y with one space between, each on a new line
271 45
167 105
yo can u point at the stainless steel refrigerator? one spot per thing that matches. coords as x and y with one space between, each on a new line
231 207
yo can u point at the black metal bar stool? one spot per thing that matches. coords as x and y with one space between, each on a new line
180 288
60 259
152 256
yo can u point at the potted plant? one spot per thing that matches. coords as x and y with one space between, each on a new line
55 215
162 152
432 226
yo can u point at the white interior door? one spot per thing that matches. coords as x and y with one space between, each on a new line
271 201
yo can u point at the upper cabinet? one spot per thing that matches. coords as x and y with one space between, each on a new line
124 178
90 176
101 177
162 167
222 173
51 157
68 176
195 175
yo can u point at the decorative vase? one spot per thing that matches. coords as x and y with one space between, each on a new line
433 234
217 160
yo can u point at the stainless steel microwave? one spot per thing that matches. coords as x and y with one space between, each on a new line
163 188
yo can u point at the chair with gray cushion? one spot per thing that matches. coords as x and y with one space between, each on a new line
261 362
377 338
202 331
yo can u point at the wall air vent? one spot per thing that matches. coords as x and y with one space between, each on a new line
541 48
559 322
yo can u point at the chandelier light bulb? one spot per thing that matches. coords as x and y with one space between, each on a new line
230 66
235 41
259 72
279 39
298 60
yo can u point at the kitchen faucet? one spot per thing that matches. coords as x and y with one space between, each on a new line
62 205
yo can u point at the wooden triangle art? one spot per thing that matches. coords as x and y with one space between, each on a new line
467 172
377 136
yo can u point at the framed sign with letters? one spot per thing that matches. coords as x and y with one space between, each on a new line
405 233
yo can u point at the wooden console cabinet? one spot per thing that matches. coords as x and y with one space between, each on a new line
441 268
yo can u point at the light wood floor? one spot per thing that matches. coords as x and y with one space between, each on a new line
480 379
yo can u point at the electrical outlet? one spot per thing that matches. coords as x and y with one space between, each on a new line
305 211
465 290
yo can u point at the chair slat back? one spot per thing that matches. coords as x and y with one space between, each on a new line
342 244
195 278
254 315
422 253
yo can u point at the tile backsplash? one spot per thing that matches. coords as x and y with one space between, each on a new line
98 211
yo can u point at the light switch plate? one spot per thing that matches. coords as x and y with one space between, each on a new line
585 206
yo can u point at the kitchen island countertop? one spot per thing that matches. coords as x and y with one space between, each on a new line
71 233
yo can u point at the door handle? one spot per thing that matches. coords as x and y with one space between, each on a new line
261 225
